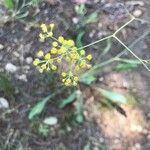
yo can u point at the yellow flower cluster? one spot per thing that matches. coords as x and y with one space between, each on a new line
63 56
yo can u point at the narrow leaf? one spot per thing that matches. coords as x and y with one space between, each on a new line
87 79
39 107
68 100
9 4
113 96
125 66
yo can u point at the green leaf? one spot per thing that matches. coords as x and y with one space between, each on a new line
125 66
87 79
107 48
79 39
9 4
39 107
80 9
79 108
43 130
113 96
92 18
68 100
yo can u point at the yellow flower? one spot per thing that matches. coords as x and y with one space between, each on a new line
55 44
44 27
63 49
58 60
75 83
63 74
54 50
70 74
60 39
83 64
89 57
43 66
76 79
41 70
47 56
52 25
82 52
36 62
68 82
77 68
50 34
40 53
65 42
54 67
74 56
48 69
70 43
74 48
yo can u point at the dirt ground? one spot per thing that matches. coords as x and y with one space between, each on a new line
102 129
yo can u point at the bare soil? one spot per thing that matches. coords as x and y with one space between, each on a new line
102 129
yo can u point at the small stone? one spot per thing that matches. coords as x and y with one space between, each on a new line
133 127
10 68
68 128
95 148
16 54
50 121
29 60
139 128
148 137
23 77
75 20
137 13
3 103
116 141
138 146
1 46
101 140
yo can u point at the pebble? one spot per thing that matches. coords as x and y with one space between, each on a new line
23 77
75 20
101 140
137 13
16 54
95 148
116 141
3 103
148 137
140 3
1 46
29 60
137 146
10 68
50 121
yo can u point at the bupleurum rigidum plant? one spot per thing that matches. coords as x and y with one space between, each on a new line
63 57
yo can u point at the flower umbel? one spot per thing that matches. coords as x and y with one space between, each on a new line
63 57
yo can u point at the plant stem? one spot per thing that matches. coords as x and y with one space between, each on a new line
131 52
133 18
93 43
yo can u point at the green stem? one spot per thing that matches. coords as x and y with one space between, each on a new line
93 43
131 52
124 26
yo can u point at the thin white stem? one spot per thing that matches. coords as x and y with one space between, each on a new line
131 52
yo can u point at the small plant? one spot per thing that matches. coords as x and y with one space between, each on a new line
63 57
72 63
20 8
